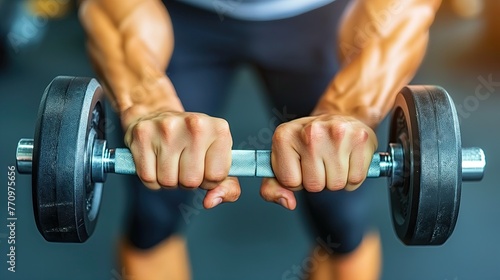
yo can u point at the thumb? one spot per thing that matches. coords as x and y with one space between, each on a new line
227 191
271 190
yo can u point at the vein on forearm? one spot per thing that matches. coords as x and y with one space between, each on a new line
130 43
377 65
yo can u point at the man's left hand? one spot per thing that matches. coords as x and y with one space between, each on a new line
319 152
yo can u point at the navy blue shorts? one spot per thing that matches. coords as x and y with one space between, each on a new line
296 60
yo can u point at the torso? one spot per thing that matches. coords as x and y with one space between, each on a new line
258 10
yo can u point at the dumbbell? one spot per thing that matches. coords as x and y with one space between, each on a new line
69 159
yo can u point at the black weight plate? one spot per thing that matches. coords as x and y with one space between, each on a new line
425 207
65 200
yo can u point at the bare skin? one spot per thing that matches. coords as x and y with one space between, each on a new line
130 43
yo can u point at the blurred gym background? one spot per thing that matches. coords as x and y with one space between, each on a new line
251 239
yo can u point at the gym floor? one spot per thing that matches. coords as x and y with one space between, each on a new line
252 239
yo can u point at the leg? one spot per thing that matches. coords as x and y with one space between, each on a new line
340 220
154 249
296 75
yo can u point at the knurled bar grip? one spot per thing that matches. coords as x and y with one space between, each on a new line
257 163
245 163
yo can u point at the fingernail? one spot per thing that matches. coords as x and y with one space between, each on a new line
216 201
283 203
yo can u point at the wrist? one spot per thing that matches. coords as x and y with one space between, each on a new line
368 115
149 96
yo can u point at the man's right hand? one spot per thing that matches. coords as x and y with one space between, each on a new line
175 148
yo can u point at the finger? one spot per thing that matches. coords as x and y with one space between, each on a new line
192 159
192 166
359 162
313 145
313 172
271 190
167 167
285 160
227 191
336 167
357 171
218 157
145 165
137 138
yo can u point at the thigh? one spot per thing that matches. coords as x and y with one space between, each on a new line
340 217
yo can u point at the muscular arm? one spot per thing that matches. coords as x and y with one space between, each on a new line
130 43
382 43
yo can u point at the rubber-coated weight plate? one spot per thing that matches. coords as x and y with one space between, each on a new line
425 207
65 200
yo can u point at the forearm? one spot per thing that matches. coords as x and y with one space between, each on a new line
130 43
382 44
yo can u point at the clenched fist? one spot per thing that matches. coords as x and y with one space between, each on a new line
173 148
319 152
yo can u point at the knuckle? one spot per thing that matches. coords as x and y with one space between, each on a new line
360 136
281 135
336 185
289 180
356 179
216 176
191 181
222 126
141 131
195 123
338 130
313 185
233 194
147 177
266 194
166 128
168 182
312 132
